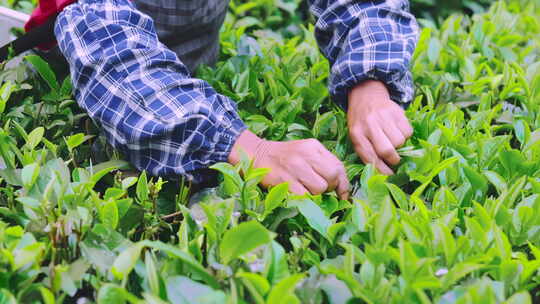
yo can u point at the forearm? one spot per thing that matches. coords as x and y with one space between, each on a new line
140 93
366 40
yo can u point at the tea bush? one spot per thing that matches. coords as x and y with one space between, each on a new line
457 223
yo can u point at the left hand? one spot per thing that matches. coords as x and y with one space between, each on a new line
305 164
377 125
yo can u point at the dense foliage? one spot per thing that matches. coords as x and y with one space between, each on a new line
457 224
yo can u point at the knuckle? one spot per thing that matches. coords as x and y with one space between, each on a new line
387 111
332 174
387 153
342 171
272 179
409 132
320 188
339 170
359 148
344 189
312 141
365 156
359 130
282 178
346 184
371 119
297 189
355 138
323 151
295 162
358 140
368 159
399 141
393 160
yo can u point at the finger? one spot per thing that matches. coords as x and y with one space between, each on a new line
314 182
328 166
394 134
297 188
343 188
333 171
338 180
300 170
365 150
403 124
382 145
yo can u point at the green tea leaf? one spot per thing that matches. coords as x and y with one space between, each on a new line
232 179
385 227
128 182
459 271
6 90
242 239
151 272
108 214
7 297
477 180
434 50
276 263
398 195
114 164
47 295
283 292
111 293
44 71
359 215
522 297
183 290
75 140
125 262
523 131
442 166
275 198
496 180
34 138
186 258
142 187
257 285
30 253
313 214
29 174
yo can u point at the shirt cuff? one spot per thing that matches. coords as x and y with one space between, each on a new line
398 81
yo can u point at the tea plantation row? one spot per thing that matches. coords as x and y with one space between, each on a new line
457 223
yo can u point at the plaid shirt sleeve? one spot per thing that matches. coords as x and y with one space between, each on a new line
366 39
140 93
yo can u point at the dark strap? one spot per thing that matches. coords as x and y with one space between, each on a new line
36 36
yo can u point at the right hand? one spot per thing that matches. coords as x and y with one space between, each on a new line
377 125
305 164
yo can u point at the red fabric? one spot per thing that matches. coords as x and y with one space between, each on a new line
45 9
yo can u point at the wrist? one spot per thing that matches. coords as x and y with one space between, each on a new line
368 91
247 142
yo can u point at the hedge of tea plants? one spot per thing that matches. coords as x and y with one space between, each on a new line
457 223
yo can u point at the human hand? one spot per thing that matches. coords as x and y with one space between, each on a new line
377 125
305 164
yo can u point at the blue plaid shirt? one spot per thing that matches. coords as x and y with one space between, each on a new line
170 124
